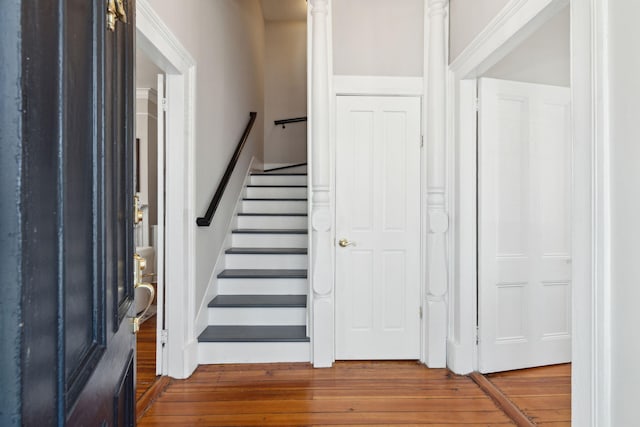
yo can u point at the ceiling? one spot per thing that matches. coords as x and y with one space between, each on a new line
284 10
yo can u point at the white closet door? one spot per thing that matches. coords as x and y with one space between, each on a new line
524 196
378 214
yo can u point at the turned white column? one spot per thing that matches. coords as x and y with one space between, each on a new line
438 218
321 218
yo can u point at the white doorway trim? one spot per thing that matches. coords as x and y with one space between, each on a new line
177 242
518 19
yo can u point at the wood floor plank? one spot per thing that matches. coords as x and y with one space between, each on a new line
543 394
350 393
417 425
146 357
370 418
317 406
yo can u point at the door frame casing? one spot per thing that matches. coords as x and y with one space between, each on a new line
177 242
517 20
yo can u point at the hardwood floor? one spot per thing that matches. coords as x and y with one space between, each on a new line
146 357
350 393
542 394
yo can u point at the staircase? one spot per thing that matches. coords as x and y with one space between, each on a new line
259 314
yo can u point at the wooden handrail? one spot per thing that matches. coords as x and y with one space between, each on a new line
293 120
205 221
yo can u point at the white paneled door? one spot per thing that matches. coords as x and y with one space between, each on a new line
524 241
378 227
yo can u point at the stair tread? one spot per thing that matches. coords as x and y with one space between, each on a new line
235 333
266 251
262 274
270 231
254 301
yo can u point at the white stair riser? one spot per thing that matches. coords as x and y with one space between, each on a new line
242 240
278 179
274 206
257 316
273 222
290 168
284 262
263 286
249 352
276 192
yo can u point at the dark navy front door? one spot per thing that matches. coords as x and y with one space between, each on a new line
72 227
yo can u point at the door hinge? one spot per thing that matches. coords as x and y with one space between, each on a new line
421 141
164 104
477 335
421 312
477 104
164 336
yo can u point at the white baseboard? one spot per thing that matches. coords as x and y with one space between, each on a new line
190 357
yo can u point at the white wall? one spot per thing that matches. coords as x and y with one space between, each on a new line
543 58
378 37
467 18
226 39
624 113
285 90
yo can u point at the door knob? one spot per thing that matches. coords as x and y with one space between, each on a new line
139 264
137 212
344 243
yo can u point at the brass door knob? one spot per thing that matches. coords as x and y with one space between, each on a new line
344 243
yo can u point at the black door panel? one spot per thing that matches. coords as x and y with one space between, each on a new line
76 210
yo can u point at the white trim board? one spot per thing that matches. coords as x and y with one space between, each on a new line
378 85
590 374
515 22
147 93
164 49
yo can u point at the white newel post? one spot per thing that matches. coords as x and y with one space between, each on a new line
321 218
438 218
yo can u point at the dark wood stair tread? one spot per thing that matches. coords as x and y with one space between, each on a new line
262 274
266 251
270 231
259 301
236 333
